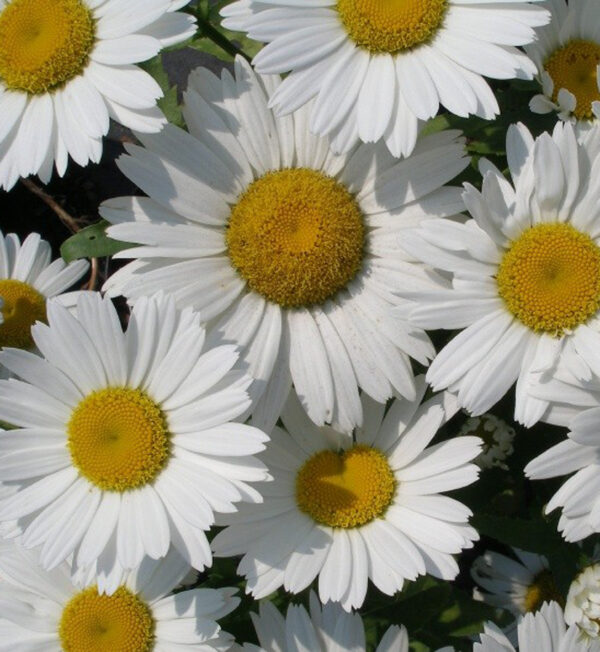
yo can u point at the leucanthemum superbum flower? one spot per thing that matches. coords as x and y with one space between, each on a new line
44 610
125 441
518 585
583 604
324 628
378 68
67 66
577 408
288 250
567 56
347 511
525 273
28 278
543 631
497 437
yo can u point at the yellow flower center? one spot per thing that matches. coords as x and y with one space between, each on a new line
345 489
296 236
550 278
118 438
542 589
574 67
120 622
23 306
391 25
44 43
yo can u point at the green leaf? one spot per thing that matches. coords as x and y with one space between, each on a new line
92 242
168 103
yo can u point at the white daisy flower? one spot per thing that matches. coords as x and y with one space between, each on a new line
289 250
583 602
327 628
28 277
579 496
67 66
497 437
519 585
567 55
126 441
525 273
43 610
378 68
352 510
544 631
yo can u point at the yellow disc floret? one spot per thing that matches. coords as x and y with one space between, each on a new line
391 25
542 589
345 489
44 43
573 67
120 622
550 278
118 438
23 306
296 236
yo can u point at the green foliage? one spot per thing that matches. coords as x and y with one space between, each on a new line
91 242
168 103
212 38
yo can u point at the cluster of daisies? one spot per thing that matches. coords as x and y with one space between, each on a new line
271 391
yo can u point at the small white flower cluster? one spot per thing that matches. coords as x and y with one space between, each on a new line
497 438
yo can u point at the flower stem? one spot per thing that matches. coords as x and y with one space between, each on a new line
210 31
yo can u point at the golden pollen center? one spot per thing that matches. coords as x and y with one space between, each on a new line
120 622
23 306
296 236
44 43
550 278
574 67
391 25
345 489
118 438
542 589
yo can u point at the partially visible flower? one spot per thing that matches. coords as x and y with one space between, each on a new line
352 510
377 69
579 496
497 437
67 66
583 602
126 442
544 631
518 586
567 55
521 278
41 610
28 277
326 628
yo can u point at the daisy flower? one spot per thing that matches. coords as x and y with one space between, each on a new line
519 585
497 438
44 610
579 496
567 55
327 628
28 277
288 250
352 510
543 631
67 66
125 441
525 273
583 605
378 68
